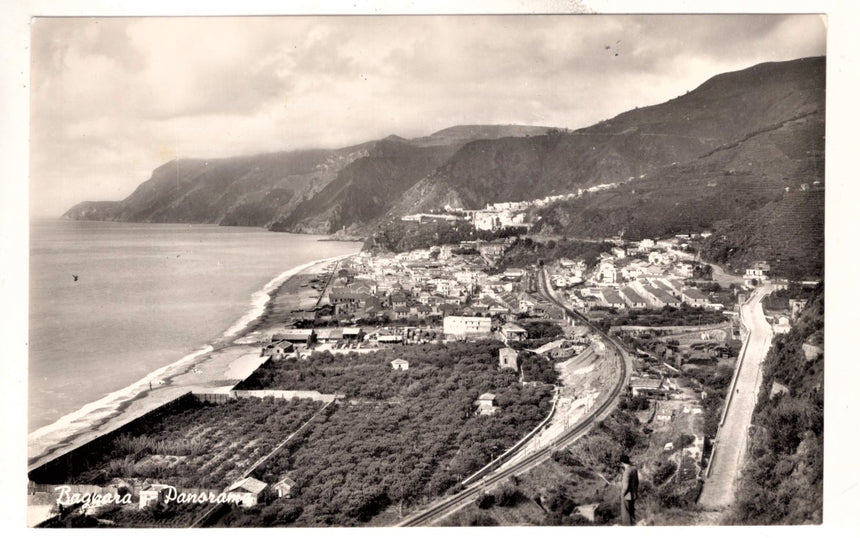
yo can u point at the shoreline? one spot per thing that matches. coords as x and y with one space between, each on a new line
204 369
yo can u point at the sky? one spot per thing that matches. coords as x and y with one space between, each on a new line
113 98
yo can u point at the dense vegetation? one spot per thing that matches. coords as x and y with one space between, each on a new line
204 445
668 316
542 329
402 236
779 299
787 232
401 437
782 479
526 251
537 368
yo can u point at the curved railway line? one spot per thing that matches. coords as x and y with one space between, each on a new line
456 501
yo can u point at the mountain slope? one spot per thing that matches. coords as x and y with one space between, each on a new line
279 190
366 188
247 191
718 114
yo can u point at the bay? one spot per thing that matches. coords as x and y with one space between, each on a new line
146 295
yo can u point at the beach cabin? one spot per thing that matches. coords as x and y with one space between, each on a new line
299 336
248 491
277 350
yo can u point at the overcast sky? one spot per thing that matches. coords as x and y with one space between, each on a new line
112 98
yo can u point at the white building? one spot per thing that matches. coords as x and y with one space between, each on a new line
465 326
248 491
606 274
400 364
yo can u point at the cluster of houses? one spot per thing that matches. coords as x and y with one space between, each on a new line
624 278
439 282
293 342
502 215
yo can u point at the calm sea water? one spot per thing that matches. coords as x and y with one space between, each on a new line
146 295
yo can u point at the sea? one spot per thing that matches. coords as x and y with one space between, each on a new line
111 303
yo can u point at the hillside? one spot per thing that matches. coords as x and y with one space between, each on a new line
782 480
239 191
365 189
724 113
788 232
279 190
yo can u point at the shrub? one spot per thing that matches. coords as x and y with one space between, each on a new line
485 501
684 440
664 470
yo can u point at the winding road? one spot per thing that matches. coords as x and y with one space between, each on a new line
718 491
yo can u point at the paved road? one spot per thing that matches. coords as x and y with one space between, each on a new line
719 488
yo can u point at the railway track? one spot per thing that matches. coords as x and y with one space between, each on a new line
458 500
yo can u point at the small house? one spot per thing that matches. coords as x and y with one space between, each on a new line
353 333
486 404
329 335
648 388
507 358
278 350
152 495
285 487
694 297
400 364
299 336
248 491
782 326
513 332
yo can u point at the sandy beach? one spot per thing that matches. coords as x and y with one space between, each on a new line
215 368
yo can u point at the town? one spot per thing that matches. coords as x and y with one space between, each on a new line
580 324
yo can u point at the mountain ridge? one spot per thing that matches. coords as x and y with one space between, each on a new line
708 158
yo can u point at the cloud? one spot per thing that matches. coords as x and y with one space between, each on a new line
113 98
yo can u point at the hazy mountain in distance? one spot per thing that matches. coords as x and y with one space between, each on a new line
279 190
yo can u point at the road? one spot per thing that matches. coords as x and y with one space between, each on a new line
719 488
718 274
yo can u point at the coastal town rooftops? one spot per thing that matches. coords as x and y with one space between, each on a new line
661 294
612 296
286 481
292 333
251 485
631 294
645 383
330 334
546 348
513 328
694 294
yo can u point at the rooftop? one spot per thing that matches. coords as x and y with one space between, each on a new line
248 484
